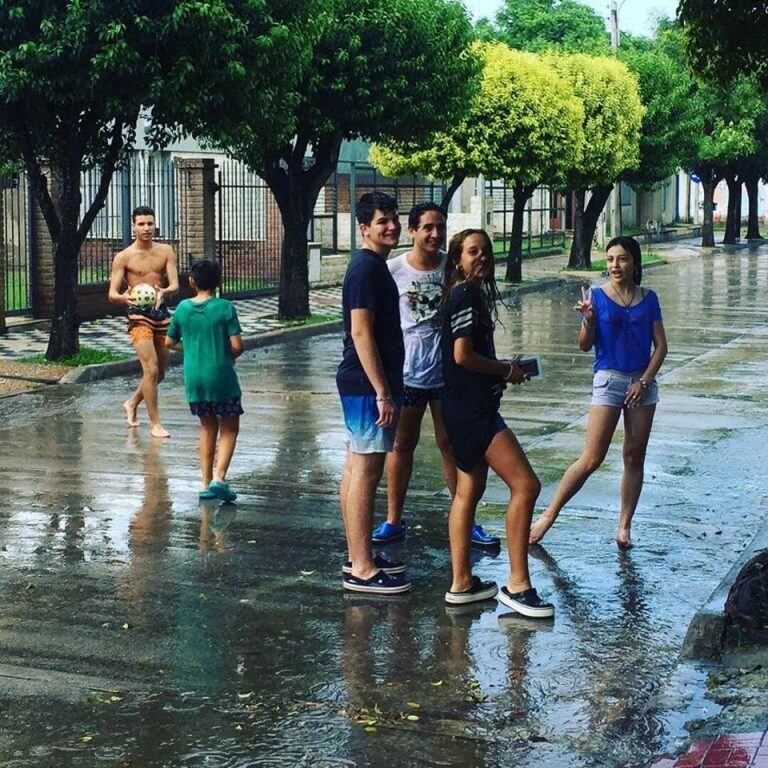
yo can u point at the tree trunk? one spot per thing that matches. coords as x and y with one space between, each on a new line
753 218
733 218
64 337
708 226
296 190
451 190
579 253
521 195
294 269
585 224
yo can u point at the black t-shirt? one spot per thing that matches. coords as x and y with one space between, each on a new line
471 400
465 316
369 285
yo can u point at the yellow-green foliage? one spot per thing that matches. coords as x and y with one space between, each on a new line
613 114
525 125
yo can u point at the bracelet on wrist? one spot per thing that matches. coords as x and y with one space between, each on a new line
643 383
383 399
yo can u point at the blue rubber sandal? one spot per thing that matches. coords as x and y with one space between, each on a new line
206 494
222 491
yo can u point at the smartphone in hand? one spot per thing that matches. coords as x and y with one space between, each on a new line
532 367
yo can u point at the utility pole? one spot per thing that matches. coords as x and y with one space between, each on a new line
614 205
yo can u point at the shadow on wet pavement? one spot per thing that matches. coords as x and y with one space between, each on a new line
139 628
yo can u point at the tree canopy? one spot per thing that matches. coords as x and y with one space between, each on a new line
613 115
669 122
524 125
612 120
726 38
538 25
75 76
383 69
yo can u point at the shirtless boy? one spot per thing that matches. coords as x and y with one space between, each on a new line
145 261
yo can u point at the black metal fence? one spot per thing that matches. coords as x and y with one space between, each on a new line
15 242
149 179
544 222
333 224
249 231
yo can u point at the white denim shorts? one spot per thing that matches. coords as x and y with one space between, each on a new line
610 388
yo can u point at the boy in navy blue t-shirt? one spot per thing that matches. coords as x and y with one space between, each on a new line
370 383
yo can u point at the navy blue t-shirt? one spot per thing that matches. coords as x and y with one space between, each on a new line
369 285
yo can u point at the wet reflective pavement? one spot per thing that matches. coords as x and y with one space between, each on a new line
139 628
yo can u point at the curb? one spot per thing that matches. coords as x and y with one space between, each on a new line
101 371
705 638
98 372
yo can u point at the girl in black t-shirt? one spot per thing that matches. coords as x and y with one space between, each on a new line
474 381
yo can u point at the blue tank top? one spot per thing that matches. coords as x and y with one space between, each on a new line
624 335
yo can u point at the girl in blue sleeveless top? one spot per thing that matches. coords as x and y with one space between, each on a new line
622 322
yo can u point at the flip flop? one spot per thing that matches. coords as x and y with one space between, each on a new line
222 491
206 494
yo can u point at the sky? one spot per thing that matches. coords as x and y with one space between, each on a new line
635 15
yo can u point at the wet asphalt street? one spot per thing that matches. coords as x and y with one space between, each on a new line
139 628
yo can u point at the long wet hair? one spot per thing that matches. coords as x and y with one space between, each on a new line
454 274
632 247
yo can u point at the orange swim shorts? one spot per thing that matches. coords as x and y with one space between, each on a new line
148 325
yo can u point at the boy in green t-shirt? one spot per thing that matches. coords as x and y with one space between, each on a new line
209 330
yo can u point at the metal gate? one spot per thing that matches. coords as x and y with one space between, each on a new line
15 243
249 232
543 222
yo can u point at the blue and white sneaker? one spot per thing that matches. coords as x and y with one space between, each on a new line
392 567
386 533
379 584
482 539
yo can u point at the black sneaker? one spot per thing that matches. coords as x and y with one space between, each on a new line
480 590
527 603
392 567
379 584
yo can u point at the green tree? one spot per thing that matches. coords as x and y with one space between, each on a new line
727 125
613 114
754 168
383 69
539 25
726 38
74 77
669 122
523 126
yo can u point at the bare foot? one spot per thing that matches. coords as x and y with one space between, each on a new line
539 528
159 431
623 539
130 414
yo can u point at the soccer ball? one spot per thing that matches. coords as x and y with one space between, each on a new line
143 295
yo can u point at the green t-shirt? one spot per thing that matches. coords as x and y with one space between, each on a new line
204 328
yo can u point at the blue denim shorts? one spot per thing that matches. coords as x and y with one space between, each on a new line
360 416
610 388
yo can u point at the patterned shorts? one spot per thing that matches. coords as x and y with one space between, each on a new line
148 325
223 410
415 397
